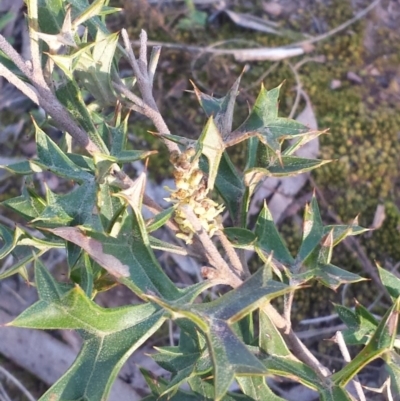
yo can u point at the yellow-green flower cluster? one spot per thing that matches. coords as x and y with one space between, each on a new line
191 190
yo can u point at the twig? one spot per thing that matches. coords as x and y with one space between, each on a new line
19 84
17 383
340 27
211 252
299 87
145 78
347 358
287 309
270 55
233 258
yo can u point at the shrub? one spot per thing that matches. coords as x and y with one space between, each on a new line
240 335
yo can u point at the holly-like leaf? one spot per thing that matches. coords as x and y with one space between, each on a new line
230 185
230 356
22 168
211 145
241 237
160 219
269 239
221 109
312 230
329 275
341 231
291 165
264 122
51 158
94 70
381 342
256 387
390 281
360 323
110 335
70 96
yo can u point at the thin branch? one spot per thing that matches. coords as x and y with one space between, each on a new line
44 97
33 22
347 358
299 87
236 265
19 84
15 57
269 53
17 383
145 80
287 310
211 252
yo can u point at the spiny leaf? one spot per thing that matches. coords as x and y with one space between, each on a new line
230 185
265 123
312 230
390 281
74 208
360 322
94 70
381 342
211 145
221 109
70 96
110 336
256 387
269 239
51 158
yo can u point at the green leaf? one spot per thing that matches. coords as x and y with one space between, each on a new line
51 15
212 147
335 393
74 208
110 336
127 256
340 232
160 219
229 354
269 239
51 158
70 96
329 275
291 165
257 389
160 245
390 281
381 341
230 357
221 109
312 230
360 322
270 339
8 240
91 11
94 70
264 121
240 237
230 185
239 302
22 168
392 359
